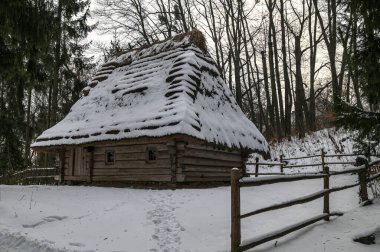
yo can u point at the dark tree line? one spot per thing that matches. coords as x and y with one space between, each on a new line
293 66
42 71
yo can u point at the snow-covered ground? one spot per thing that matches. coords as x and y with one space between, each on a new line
79 218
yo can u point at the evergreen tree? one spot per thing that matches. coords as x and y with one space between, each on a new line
23 42
42 71
366 121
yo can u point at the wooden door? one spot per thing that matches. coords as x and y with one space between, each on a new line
80 162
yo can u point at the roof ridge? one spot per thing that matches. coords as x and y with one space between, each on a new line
194 36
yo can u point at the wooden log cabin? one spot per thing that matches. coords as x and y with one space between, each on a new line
161 113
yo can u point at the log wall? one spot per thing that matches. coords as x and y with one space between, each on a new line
130 164
177 161
205 163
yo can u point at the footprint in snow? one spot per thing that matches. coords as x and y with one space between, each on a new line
167 228
44 220
76 244
116 206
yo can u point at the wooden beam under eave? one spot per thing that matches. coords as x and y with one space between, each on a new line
62 171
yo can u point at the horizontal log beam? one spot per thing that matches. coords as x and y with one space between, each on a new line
354 170
248 244
274 164
277 179
264 173
334 163
303 157
301 165
289 203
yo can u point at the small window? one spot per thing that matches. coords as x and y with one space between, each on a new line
110 157
151 154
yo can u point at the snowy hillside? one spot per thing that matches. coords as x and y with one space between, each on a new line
331 140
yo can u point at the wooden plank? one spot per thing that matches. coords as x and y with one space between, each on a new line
246 245
194 168
207 174
210 162
114 172
72 162
130 156
235 210
277 179
326 198
289 203
62 168
134 164
207 179
335 163
157 178
303 157
301 165
354 170
130 148
212 155
91 165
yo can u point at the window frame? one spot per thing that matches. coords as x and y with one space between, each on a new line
147 154
106 157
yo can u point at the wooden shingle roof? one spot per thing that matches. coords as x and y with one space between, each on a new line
172 87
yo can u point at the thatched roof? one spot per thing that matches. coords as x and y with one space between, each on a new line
168 88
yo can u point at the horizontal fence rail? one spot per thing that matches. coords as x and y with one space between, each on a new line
32 175
237 182
284 162
248 244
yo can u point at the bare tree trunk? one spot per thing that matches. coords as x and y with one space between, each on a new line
300 108
249 77
275 106
270 111
330 41
312 25
288 94
279 89
263 118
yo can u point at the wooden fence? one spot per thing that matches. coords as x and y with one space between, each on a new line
32 175
236 183
284 162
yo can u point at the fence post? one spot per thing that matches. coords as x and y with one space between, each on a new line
323 158
235 210
369 153
257 167
281 165
326 197
363 193
363 174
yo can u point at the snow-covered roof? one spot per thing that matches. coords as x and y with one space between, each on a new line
169 88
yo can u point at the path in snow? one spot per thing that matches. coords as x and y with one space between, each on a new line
167 227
